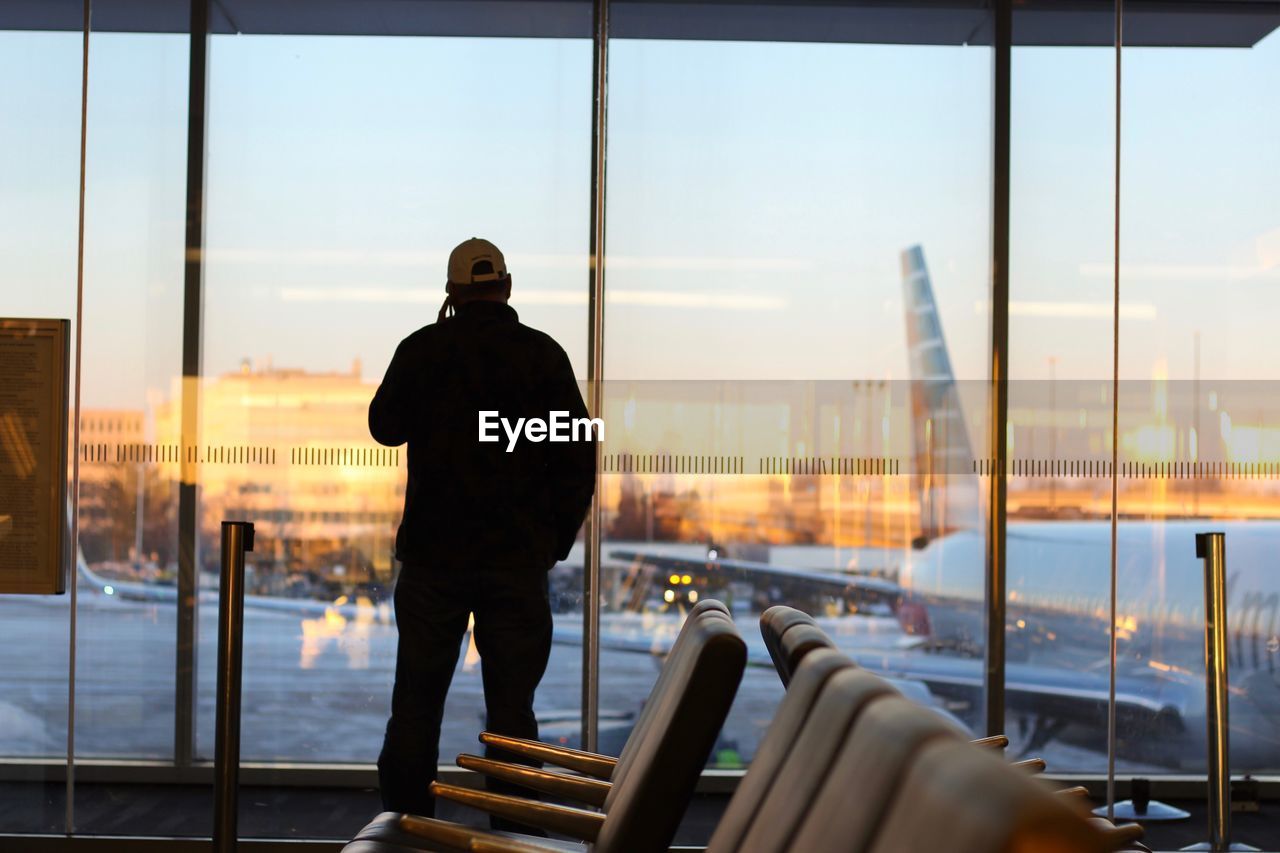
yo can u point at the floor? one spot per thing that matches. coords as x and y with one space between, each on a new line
300 813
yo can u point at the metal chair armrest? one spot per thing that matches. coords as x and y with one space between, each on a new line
589 763
454 836
576 823
589 791
498 844
1031 765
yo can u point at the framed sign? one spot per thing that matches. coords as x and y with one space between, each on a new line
34 536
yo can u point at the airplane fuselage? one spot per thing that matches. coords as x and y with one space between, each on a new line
1058 607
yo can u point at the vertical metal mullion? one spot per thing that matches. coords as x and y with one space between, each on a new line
72 552
595 373
192 311
994 656
1115 431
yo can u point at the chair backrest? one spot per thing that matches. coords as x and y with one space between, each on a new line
867 772
963 799
706 607
644 808
846 696
774 748
774 622
798 641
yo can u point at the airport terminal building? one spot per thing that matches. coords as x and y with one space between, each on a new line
930 352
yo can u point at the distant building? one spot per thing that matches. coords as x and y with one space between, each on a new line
109 524
290 451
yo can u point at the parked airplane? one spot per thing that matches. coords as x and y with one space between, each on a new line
1057 671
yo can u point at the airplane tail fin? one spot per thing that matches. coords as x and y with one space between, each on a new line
940 440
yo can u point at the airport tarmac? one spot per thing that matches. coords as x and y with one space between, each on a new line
317 688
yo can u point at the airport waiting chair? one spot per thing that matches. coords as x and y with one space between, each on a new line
827 696
822 701
810 762
602 768
383 833
791 634
789 799
804 733
847 697
643 807
802 638
799 640
965 800
776 745
833 717
774 622
866 774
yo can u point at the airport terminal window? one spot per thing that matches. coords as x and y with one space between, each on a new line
797 354
1197 223
135 183
39 174
1200 250
768 254
1059 427
341 172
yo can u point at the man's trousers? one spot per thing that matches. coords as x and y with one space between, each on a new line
513 636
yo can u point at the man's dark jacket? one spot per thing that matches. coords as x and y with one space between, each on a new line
467 500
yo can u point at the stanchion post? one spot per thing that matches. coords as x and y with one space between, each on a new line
237 538
1212 548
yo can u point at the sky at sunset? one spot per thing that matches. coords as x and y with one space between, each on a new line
759 195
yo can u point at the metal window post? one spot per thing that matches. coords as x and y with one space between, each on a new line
192 310
1114 573
595 375
73 551
994 653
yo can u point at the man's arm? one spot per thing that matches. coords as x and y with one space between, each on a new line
572 465
389 411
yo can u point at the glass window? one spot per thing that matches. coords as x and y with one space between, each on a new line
1059 428
1198 176
341 172
1200 245
787 244
798 322
134 231
39 193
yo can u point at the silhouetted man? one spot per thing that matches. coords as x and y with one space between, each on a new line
483 521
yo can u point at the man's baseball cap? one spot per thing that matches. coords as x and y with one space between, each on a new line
476 261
